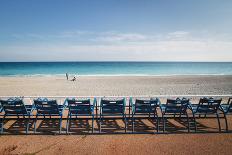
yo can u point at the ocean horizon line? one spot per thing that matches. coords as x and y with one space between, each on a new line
95 61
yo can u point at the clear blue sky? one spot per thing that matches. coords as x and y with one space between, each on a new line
146 30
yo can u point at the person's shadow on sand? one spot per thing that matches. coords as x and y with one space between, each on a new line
74 79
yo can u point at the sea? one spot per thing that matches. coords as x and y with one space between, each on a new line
114 68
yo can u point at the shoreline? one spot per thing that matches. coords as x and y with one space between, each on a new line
113 75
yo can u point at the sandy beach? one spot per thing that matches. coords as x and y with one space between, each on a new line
176 143
116 85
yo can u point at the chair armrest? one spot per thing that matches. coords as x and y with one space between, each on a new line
229 100
159 102
65 103
131 101
221 108
94 102
190 106
94 105
100 107
132 105
162 107
133 108
124 101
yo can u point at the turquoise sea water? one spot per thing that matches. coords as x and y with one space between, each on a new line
114 68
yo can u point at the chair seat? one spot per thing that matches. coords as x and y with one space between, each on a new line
16 112
112 110
172 110
52 112
143 109
82 111
202 110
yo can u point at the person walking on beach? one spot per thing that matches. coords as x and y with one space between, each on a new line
67 76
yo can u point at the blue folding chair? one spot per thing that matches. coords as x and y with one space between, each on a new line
15 107
113 107
48 108
207 107
80 107
175 107
142 107
227 110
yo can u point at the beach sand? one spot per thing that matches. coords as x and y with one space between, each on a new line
173 143
116 85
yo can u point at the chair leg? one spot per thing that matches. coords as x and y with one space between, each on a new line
188 122
28 123
157 122
60 124
226 122
164 128
96 111
195 123
219 124
133 123
92 123
100 122
125 123
67 124
2 127
35 123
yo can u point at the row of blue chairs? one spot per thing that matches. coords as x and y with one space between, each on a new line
116 108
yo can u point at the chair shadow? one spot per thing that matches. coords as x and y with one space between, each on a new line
18 126
141 127
172 127
80 126
112 125
50 126
109 126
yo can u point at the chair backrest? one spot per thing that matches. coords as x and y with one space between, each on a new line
45 106
76 106
208 105
176 105
112 106
14 106
145 106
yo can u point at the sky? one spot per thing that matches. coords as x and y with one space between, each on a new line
115 30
